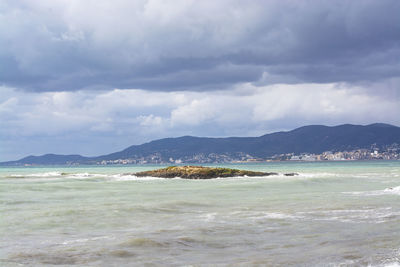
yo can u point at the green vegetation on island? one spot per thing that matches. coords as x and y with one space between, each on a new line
200 172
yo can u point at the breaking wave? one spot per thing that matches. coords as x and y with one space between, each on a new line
44 174
386 191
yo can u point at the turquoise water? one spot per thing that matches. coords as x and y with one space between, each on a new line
332 214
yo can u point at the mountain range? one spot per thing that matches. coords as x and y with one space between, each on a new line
313 139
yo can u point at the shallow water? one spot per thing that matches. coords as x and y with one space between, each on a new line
332 214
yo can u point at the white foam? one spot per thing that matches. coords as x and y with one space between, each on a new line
318 175
344 175
82 175
81 240
386 191
392 190
58 174
47 174
131 177
209 216
84 240
44 174
277 215
391 264
85 175
267 215
379 215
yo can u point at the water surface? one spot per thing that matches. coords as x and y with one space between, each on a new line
332 214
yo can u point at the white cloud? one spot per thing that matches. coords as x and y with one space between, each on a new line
197 111
120 118
150 120
242 68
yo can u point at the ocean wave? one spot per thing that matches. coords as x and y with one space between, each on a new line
367 175
318 175
208 217
131 177
57 174
82 176
386 191
84 240
367 215
278 215
392 264
261 215
43 174
392 190
143 242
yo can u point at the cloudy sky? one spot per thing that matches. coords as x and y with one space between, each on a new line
96 76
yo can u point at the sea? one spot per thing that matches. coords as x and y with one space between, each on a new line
332 214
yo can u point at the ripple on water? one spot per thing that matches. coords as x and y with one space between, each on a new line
52 257
122 253
142 242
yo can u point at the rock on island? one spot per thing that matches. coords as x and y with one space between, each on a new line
199 172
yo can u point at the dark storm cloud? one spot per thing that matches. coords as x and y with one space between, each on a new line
199 45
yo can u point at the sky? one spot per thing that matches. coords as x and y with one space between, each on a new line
94 77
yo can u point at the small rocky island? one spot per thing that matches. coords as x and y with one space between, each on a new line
199 172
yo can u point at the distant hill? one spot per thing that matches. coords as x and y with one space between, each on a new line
49 159
308 139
